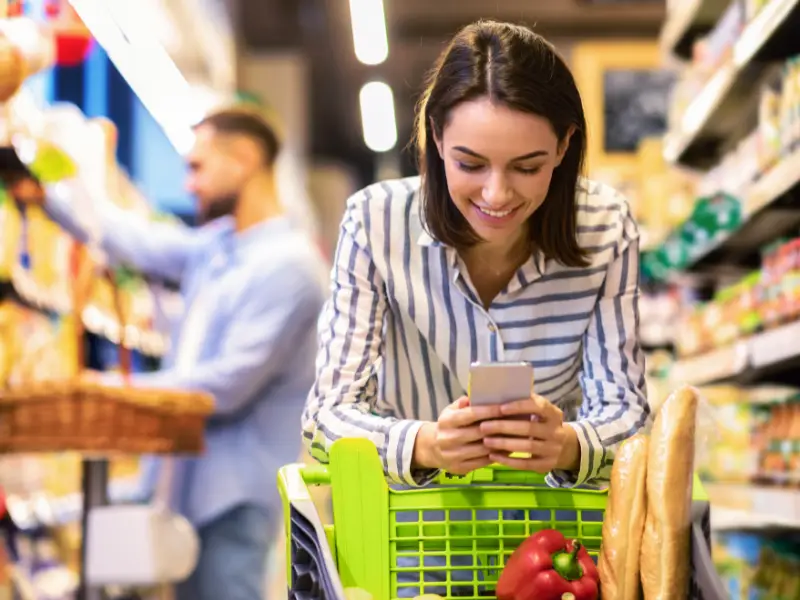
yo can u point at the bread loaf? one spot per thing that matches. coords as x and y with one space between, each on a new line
624 522
666 540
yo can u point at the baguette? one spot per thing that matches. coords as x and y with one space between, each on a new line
624 522
666 541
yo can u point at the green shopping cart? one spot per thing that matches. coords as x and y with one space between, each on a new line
450 538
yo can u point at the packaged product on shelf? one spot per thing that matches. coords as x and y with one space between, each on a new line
10 230
720 313
777 573
46 574
49 250
778 274
747 315
790 281
736 556
794 106
733 312
39 347
730 457
769 137
665 198
755 438
786 115
777 444
792 446
690 337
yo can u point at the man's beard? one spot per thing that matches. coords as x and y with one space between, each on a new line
220 207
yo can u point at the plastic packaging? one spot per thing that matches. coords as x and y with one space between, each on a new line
623 525
664 563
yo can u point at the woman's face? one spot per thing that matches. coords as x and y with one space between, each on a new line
498 163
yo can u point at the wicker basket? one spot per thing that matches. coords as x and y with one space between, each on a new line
87 417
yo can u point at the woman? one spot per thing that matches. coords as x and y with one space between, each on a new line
499 251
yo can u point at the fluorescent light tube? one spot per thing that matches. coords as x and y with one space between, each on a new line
370 40
378 117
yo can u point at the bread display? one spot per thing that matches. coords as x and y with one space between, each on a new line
665 547
624 521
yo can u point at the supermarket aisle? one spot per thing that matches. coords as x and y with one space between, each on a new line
722 270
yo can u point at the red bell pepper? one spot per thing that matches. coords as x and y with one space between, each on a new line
547 566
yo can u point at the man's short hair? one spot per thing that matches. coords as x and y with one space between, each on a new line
246 122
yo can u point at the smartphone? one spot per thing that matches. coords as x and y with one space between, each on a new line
499 382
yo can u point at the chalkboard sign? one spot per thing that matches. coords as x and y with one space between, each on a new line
635 104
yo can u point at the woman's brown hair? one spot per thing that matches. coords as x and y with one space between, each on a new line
513 66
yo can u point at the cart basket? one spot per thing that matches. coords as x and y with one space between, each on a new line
450 538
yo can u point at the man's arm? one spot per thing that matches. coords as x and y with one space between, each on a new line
278 310
159 250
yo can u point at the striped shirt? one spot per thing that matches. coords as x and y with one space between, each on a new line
404 323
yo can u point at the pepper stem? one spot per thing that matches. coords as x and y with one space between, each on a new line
576 547
568 596
566 564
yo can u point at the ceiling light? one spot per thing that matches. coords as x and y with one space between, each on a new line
377 116
369 31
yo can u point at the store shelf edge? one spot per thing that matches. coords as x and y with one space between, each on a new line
766 354
738 506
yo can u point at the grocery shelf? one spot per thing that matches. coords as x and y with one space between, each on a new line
149 343
28 512
766 355
769 210
717 365
745 506
719 109
687 23
25 290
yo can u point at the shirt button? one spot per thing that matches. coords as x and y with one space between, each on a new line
492 327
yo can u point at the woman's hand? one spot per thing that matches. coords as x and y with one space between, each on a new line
455 442
542 436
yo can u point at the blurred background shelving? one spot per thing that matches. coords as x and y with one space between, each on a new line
724 259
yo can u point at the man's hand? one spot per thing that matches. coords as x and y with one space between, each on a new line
27 191
455 442
540 434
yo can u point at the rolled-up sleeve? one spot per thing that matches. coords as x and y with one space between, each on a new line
341 404
614 406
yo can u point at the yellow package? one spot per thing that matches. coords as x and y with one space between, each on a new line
40 247
7 340
67 346
10 230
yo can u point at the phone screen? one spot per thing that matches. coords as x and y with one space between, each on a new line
499 383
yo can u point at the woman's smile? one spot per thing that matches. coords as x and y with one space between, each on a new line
494 217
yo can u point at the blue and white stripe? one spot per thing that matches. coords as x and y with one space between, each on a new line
403 324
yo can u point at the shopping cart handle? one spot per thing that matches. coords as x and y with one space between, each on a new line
294 479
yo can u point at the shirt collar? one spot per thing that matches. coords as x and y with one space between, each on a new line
235 242
529 272
263 231
425 239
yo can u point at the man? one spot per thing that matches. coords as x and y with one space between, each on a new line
252 287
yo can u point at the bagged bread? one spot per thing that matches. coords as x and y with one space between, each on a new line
670 466
624 522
